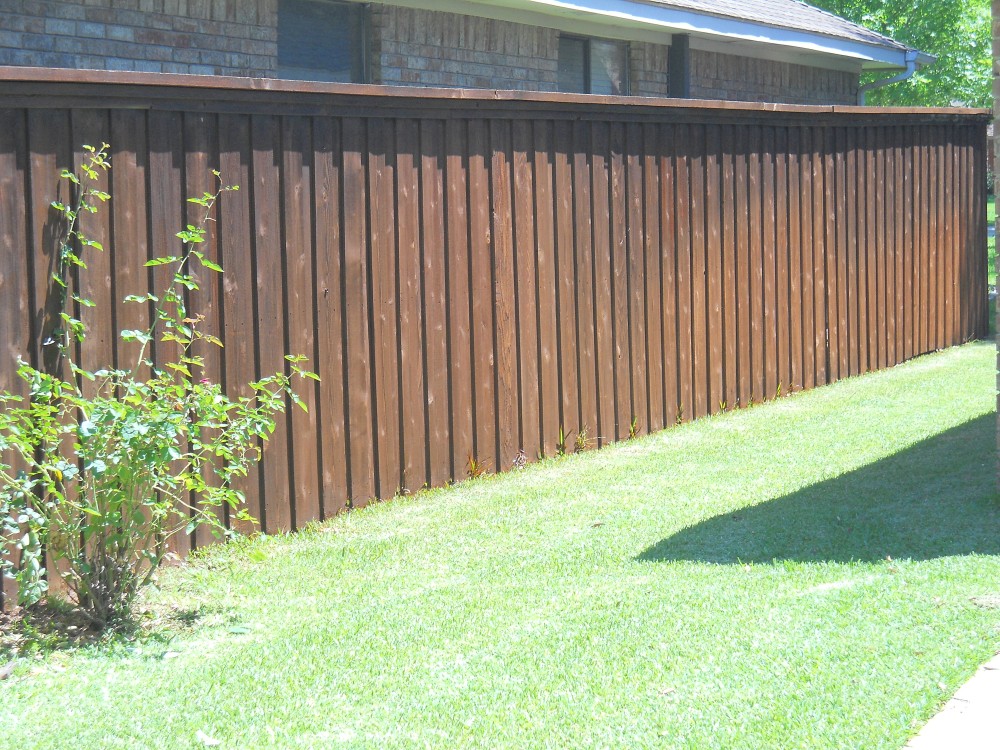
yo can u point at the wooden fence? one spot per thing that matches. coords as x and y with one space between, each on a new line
474 274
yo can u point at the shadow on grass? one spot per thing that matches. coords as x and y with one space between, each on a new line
934 499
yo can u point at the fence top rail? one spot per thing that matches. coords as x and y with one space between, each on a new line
55 87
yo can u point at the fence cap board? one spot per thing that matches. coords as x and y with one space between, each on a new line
51 87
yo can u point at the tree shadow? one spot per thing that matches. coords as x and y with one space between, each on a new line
934 499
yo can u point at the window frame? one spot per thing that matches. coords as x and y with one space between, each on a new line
588 83
366 41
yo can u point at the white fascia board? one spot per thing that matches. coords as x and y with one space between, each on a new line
639 21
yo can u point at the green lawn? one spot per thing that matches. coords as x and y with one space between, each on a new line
811 573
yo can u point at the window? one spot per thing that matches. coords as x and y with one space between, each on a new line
322 40
592 66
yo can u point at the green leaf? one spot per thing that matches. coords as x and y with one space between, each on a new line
161 261
211 266
97 467
136 335
141 298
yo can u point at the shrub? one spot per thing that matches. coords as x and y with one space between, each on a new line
99 468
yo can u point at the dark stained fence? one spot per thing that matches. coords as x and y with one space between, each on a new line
474 274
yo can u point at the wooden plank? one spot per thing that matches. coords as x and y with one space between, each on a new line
781 262
842 222
200 158
98 282
715 330
810 324
604 284
853 190
635 242
899 238
653 274
51 149
435 334
699 293
744 273
820 348
481 292
964 233
871 248
409 267
504 303
796 267
331 364
921 207
17 320
166 217
271 311
301 304
769 216
545 249
238 303
978 217
585 321
668 263
358 296
526 289
935 267
384 270
826 224
878 216
569 405
954 239
865 269
682 209
49 152
755 268
622 341
460 353
909 245
971 237
728 260
129 225
888 222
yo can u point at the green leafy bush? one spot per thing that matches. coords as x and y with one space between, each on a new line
99 468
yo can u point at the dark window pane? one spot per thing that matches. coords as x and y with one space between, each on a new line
608 67
320 40
572 65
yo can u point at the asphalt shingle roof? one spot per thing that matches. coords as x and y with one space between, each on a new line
784 14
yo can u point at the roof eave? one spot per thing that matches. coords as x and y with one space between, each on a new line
659 19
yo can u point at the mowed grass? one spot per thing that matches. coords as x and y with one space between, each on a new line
816 572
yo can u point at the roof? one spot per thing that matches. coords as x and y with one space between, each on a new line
785 14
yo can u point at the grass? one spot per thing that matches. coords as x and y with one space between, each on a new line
815 572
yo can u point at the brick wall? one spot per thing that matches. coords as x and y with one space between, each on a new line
409 47
207 37
428 48
719 76
649 69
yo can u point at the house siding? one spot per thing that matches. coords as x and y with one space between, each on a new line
408 47
719 76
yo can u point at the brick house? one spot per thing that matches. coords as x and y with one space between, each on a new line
751 50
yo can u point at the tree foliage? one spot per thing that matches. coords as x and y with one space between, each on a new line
957 32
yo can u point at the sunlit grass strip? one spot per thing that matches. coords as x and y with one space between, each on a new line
812 572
